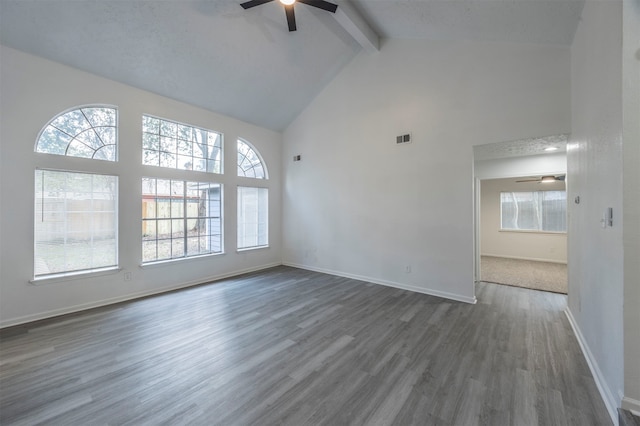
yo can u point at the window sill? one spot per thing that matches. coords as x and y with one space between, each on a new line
74 276
166 262
531 231
242 250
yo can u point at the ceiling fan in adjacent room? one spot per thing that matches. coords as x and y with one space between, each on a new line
288 8
545 179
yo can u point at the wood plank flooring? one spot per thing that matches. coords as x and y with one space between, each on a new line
288 346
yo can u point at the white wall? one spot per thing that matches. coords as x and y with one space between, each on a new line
548 247
34 91
631 189
594 162
358 205
530 165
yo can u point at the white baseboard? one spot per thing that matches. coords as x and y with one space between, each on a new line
96 304
605 392
631 404
535 259
438 293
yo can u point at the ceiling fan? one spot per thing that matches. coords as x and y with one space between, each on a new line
288 8
545 179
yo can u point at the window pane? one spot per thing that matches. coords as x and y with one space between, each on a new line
180 146
88 132
150 125
183 218
75 222
253 218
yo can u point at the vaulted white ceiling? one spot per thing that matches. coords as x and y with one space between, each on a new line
245 63
517 21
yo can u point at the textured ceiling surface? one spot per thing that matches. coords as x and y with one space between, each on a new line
245 63
210 53
521 148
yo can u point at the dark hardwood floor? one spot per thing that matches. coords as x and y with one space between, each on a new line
288 346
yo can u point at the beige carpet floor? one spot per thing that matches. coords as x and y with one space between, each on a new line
544 276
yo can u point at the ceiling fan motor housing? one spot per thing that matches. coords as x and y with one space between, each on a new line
288 8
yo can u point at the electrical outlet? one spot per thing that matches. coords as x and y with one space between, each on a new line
127 276
407 269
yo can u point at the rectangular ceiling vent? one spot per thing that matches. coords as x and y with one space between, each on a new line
406 138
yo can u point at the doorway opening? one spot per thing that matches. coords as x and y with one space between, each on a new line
520 218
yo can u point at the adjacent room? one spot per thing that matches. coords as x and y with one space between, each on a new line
522 213
523 229
276 211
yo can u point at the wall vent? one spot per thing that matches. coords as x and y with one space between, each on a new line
406 138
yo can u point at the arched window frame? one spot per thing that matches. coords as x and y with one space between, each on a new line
241 157
74 137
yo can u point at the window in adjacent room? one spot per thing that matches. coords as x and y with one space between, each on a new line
541 211
250 163
175 145
253 217
180 219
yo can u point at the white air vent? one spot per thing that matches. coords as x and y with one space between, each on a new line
406 138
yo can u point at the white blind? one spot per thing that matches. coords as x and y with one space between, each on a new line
75 222
253 220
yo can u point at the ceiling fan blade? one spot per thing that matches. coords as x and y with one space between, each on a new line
321 4
561 177
291 17
253 3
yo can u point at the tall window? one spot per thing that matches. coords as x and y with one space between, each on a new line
249 162
253 217
253 202
180 219
88 132
180 146
543 211
76 213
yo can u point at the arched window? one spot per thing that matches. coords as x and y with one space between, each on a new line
87 132
76 212
253 202
250 163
